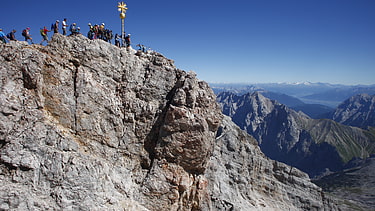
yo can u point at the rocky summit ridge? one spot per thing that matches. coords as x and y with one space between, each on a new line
89 126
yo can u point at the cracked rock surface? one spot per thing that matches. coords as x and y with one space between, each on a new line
89 126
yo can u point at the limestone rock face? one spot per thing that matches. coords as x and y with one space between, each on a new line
89 126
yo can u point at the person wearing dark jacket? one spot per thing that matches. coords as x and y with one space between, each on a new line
12 36
127 40
55 27
26 34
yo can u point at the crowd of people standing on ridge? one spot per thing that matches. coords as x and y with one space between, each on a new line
95 32
99 32
43 32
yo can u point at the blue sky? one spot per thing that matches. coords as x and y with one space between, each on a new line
255 41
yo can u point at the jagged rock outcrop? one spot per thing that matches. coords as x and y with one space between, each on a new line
313 146
89 126
357 111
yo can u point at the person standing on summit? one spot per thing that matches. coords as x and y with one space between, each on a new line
55 27
3 37
127 41
64 25
12 36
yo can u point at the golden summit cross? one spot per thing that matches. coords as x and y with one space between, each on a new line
122 9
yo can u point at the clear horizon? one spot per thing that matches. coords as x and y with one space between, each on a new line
287 83
253 41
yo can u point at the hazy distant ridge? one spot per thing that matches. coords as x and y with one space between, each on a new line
310 93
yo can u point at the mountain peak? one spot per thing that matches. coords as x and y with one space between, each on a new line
87 125
294 138
358 111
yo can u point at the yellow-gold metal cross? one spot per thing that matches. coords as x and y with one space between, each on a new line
122 7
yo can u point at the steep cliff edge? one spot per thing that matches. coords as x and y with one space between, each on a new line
86 125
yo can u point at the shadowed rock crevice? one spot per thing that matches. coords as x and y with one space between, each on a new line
75 91
9 166
28 81
2 143
154 135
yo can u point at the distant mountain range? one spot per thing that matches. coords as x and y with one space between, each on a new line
310 93
338 94
315 111
312 145
332 146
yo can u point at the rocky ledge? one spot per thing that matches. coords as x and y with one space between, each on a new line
89 126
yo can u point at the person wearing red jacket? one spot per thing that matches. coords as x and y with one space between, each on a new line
44 32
